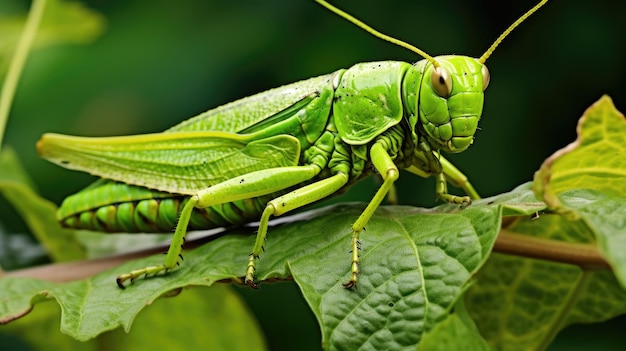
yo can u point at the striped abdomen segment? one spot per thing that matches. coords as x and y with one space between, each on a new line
108 206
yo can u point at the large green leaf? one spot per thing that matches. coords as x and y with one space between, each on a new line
522 303
415 265
200 318
40 331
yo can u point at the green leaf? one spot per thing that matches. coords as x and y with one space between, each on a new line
69 22
415 264
197 319
457 332
19 295
40 331
518 202
38 213
605 218
63 22
596 160
522 303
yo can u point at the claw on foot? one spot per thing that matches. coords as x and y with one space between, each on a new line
121 279
249 280
353 276
465 201
349 285
252 284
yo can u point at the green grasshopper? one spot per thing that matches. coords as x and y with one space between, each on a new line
282 149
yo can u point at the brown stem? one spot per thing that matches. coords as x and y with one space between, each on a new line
76 270
583 255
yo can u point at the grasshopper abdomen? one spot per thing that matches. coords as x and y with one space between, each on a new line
115 207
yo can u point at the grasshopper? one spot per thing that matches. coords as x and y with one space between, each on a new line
279 150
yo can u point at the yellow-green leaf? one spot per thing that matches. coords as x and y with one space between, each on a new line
596 160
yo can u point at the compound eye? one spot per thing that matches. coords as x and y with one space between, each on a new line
441 81
486 77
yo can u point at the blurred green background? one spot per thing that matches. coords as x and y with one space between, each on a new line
159 62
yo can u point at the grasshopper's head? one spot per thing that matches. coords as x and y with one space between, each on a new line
450 101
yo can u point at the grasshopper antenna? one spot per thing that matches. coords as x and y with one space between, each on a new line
376 33
495 44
